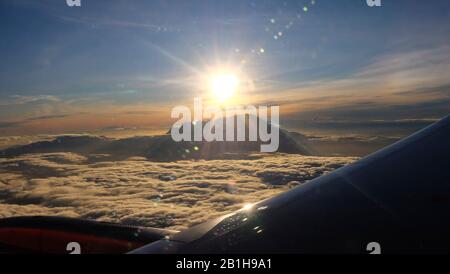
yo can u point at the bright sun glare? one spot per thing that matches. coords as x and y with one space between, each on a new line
223 86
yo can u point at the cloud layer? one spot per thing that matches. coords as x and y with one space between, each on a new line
173 195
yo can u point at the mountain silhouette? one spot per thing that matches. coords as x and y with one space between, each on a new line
158 148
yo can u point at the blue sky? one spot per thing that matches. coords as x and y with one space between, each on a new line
335 60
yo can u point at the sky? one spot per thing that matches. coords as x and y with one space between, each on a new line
125 64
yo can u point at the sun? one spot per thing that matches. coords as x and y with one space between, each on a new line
224 86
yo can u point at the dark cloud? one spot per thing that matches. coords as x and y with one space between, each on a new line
439 90
46 117
21 122
9 124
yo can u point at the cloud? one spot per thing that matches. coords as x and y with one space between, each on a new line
19 123
396 85
46 117
134 191
26 99
9 124
113 23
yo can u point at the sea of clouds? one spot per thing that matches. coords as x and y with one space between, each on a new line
173 195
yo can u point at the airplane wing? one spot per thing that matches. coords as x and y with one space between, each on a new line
396 200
